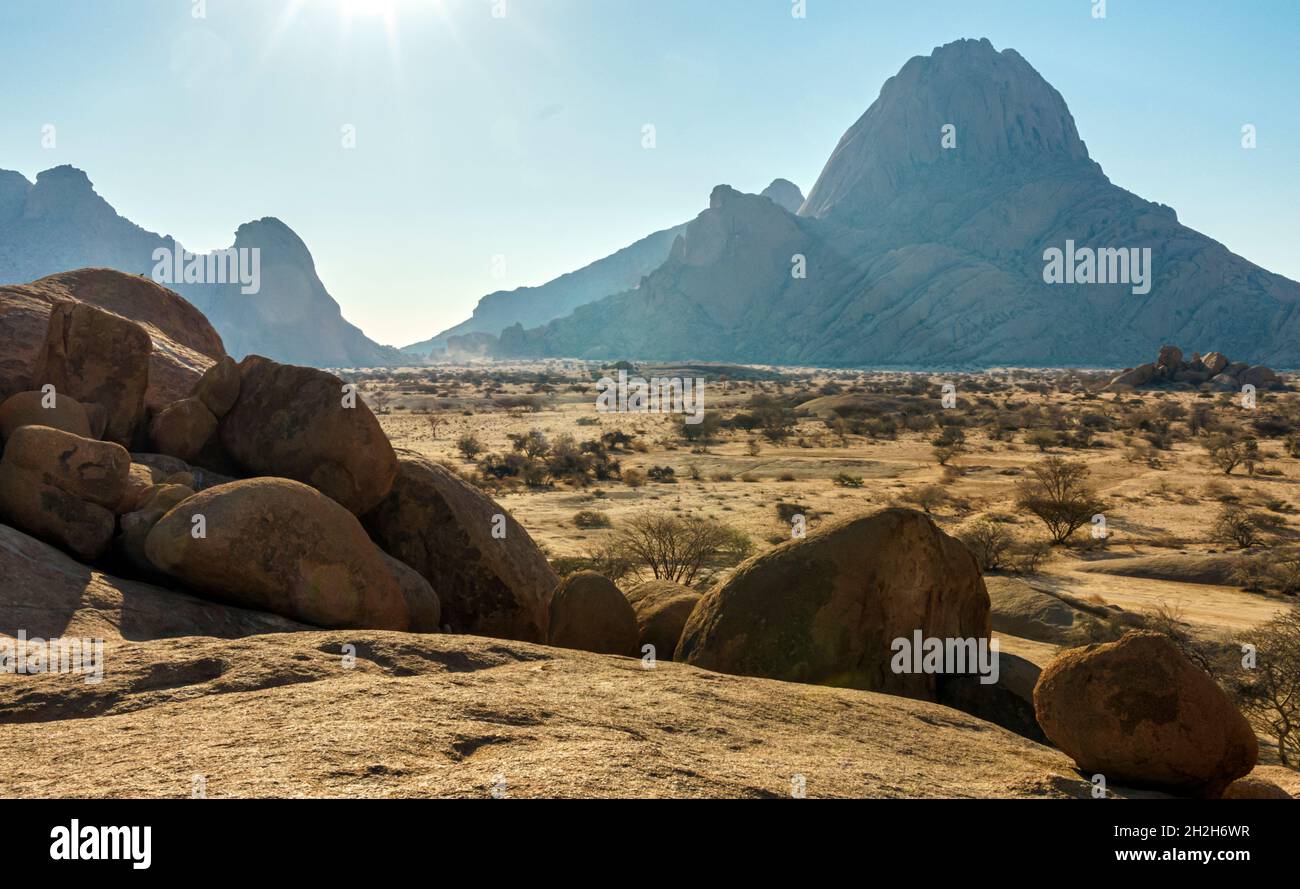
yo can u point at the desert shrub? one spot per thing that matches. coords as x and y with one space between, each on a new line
566 460
948 444
787 511
706 430
591 518
1227 451
633 478
926 497
1025 557
844 480
990 543
1042 439
1251 574
532 443
469 446
1059 495
785 477
661 474
1235 525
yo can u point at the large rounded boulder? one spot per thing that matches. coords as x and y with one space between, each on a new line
96 356
42 409
490 577
182 429
63 488
828 608
662 609
184 343
300 423
1140 713
588 613
280 546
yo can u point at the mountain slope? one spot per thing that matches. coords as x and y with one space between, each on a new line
60 223
623 270
924 255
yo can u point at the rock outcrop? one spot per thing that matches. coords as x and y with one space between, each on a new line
279 546
826 609
1138 712
184 343
459 716
63 488
1169 370
590 614
491 578
30 409
47 594
662 609
301 423
100 358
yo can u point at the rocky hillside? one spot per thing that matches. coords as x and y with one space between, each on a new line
528 307
926 252
60 222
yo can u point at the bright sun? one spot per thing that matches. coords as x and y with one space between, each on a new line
382 8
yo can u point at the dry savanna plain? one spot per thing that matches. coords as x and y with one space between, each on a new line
1198 493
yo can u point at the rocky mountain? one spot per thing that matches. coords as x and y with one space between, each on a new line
623 270
925 242
60 223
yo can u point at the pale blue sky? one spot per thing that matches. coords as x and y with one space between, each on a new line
521 136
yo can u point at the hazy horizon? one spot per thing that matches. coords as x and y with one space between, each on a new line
521 136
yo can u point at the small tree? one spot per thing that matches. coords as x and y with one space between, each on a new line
990 542
469 446
926 497
1236 526
1228 451
948 444
1059 495
676 548
1269 692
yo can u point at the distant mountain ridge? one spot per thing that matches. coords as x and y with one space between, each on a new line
923 245
620 271
60 223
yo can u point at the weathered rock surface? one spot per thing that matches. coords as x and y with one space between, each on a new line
488 573
662 609
184 343
280 546
218 388
47 594
63 488
96 356
182 429
826 609
590 614
134 525
421 601
1009 702
28 409
1251 787
293 422
1022 610
443 715
95 471
1138 712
